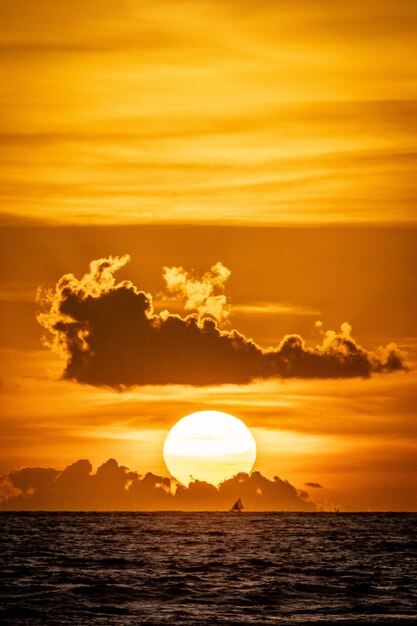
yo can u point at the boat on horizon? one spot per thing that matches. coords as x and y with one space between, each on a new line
237 507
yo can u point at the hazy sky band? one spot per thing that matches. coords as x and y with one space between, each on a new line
208 112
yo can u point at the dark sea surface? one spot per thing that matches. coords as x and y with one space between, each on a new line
208 568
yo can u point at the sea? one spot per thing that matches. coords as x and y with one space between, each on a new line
208 568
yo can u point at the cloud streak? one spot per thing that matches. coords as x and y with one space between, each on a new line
115 487
110 335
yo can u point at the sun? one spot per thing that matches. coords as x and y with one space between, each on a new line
210 446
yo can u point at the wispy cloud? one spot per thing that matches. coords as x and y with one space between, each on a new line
202 294
322 133
273 308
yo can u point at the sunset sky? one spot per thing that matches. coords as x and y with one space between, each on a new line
252 163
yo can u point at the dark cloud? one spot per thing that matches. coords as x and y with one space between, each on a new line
314 485
110 335
114 487
30 479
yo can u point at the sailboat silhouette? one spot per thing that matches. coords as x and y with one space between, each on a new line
238 506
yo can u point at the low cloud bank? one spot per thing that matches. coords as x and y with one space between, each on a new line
110 335
115 488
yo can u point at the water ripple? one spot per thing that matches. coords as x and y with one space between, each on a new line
208 568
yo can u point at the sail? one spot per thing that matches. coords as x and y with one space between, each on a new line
238 506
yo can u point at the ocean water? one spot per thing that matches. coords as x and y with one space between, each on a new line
208 568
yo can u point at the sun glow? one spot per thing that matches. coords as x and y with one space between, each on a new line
210 446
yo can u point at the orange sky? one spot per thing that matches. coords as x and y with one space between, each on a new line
208 111
277 139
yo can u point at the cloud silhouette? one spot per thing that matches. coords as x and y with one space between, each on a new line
110 335
314 485
115 487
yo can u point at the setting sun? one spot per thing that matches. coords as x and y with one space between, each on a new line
210 446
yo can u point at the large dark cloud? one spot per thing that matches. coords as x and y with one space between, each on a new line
114 487
110 335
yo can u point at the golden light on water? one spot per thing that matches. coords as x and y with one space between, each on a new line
210 446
